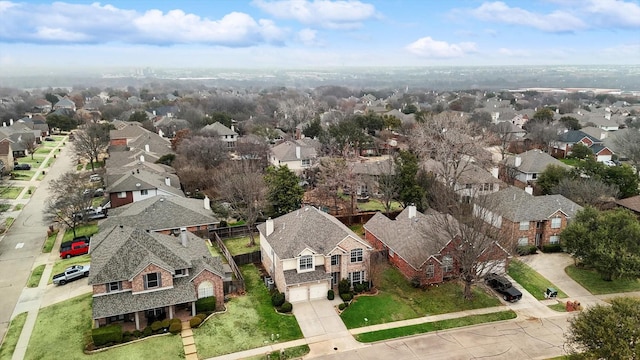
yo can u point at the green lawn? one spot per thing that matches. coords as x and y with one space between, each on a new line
8 222
296 352
62 264
12 335
592 281
248 323
96 165
239 246
434 326
36 274
398 300
571 162
58 138
61 329
10 192
18 207
377 205
29 192
559 307
48 244
35 162
25 175
42 150
214 251
531 280
88 229
358 229
5 207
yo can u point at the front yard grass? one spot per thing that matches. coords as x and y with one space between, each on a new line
592 281
10 192
61 328
12 335
87 229
5 207
238 246
43 150
62 264
296 352
29 192
559 307
36 274
48 244
249 322
434 326
377 205
24 175
531 280
398 300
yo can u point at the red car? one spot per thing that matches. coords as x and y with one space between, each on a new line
74 249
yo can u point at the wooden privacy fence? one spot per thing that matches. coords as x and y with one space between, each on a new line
232 231
249 258
238 284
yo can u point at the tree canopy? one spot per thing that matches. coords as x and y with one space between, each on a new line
409 192
284 192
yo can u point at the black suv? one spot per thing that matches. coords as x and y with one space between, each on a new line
503 286
22 167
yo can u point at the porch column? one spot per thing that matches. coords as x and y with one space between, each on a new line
96 323
193 308
137 320
170 311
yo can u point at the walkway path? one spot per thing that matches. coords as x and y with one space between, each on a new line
190 351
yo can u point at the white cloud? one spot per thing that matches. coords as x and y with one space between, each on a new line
321 13
514 52
556 21
82 23
427 47
308 36
615 13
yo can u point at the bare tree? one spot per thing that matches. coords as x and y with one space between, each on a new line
91 141
295 111
503 132
388 185
587 191
541 134
207 152
241 184
70 195
330 177
28 141
629 144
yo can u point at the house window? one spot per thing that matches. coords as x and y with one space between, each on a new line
182 272
144 192
447 263
431 271
554 239
534 176
306 262
539 225
468 186
205 289
524 225
356 277
356 255
555 223
122 195
152 280
306 162
335 277
114 286
523 241
335 259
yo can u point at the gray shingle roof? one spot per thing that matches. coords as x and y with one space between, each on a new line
137 137
468 173
292 277
306 228
414 239
148 181
286 151
161 212
573 136
517 205
373 168
535 161
219 129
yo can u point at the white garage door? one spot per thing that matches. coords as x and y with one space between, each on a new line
318 291
297 294
496 266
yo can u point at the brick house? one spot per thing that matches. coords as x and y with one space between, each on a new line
526 167
524 219
139 277
568 139
308 251
421 249
137 185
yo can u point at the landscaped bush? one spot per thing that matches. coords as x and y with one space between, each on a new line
207 304
195 322
526 250
360 288
415 282
551 248
175 321
147 331
330 294
202 316
156 326
286 307
342 306
344 286
166 323
106 335
346 297
277 299
126 333
175 327
137 333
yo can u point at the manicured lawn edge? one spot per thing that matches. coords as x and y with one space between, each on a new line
559 307
434 326
296 352
11 192
88 230
592 281
531 280
48 244
60 265
12 335
36 274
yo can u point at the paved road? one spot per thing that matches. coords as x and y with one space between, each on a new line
23 242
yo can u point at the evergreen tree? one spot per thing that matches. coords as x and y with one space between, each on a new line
284 192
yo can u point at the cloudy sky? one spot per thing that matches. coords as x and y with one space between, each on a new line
313 33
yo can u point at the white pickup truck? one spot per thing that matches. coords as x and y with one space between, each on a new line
71 273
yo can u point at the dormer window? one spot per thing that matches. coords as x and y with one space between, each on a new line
114 286
151 280
181 272
306 262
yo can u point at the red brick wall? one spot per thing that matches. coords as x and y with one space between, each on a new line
138 281
116 201
218 290
511 231
122 142
102 288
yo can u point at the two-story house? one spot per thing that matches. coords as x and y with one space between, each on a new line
136 185
133 137
298 155
467 181
422 248
65 103
139 277
524 219
307 252
228 136
526 167
562 147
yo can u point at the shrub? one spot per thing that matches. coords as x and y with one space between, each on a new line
551 248
359 288
286 307
526 250
166 323
195 322
175 321
137 333
126 339
126 333
107 334
415 282
277 299
156 326
175 327
342 306
206 304
344 286
147 331
202 316
346 297
330 295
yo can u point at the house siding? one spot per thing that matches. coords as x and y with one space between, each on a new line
138 280
120 142
218 290
511 230
116 201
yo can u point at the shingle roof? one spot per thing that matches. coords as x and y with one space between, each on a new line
573 136
535 161
219 129
292 277
414 239
120 162
143 180
286 151
596 148
161 212
137 137
468 173
631 203
517 205
373 168
306 228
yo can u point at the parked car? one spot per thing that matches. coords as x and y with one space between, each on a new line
91 214
503 286
66 245
49 139
76 248
609 163
95 178
22 167
71 273
98 192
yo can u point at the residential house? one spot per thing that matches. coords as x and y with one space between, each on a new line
298 155
120 162
132 137
139 277
65 103
468 180
229 136
6 156
42 106
630 203
526 167
524 219
562 147
136 185
368 173
422 248
307 252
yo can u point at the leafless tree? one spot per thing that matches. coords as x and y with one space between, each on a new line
257 151
241 184
70 195
629 144
330 177
90 142
295 111
28 141
207 152
589 191
503 132
541 134
388 186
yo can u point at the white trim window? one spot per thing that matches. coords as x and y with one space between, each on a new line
181 272
556 223
152 280
114 286
335 260
122 195
523 241
205 289
524 225
554 239
305 263
447 263
356 255
306 162
356 277
431 271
